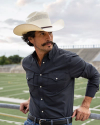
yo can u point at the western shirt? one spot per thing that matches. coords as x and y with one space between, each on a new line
51 85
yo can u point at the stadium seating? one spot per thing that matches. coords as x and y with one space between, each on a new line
87 54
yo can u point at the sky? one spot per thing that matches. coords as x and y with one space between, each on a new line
81 18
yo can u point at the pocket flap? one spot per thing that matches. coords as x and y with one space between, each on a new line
57 76
29 76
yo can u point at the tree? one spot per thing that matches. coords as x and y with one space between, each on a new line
10 60
15 59
4 60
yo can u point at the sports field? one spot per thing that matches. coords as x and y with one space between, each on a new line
14 90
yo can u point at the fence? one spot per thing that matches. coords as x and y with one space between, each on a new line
13 106
79 46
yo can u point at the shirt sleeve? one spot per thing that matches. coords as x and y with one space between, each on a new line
78 67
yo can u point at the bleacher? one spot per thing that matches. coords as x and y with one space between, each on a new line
87 54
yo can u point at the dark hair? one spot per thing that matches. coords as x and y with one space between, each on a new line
26 35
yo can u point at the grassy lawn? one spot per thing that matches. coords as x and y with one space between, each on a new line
14 86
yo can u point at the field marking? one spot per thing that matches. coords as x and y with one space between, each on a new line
97 92
6 99
80 96
13 85
13 116
16 94
26 91
96 106
80 88
96 97
16 123
92 109
88 122
11 81
1 88
12 89
80 83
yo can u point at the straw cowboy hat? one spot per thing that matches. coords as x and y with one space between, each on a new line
38 21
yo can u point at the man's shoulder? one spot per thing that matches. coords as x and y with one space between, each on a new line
67 53
27 59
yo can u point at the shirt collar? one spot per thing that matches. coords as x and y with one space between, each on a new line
34 55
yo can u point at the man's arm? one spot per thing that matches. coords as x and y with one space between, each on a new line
24 107
83 112
79 67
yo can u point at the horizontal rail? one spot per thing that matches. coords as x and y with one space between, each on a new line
10 106
13 106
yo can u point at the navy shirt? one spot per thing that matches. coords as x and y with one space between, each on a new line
51 85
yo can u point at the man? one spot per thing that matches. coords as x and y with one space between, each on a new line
50 73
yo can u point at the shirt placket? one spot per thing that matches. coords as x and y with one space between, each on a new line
40 80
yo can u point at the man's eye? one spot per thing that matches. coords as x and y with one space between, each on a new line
42 33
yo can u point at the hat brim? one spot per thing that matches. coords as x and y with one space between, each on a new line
24 28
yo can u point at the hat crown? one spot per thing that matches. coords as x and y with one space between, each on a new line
40 19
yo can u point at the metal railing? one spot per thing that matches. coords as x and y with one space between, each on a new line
13 106
79 46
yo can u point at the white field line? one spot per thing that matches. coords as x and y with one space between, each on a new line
14 122
26 91
13 89
96 97
7 99
77 98
10 80
88 122
80 96
80 83
1 88
16 94
10 115
92 109
11 75
13 85
97 92
80 88
96 106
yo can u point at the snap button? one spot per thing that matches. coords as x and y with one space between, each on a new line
40 86
40 74
56 78
43 62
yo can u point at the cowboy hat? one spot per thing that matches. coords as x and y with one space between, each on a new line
38 21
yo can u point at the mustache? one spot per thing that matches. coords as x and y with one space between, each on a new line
47 43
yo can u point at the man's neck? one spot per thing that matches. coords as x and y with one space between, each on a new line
40 57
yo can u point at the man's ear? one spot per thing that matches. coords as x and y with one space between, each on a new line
31 39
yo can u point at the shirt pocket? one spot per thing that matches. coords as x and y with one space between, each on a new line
30 81
57 81
29 77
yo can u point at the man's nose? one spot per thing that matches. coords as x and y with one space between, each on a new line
48 36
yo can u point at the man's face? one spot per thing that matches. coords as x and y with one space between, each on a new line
43 41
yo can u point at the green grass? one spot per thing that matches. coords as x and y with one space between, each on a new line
13 86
